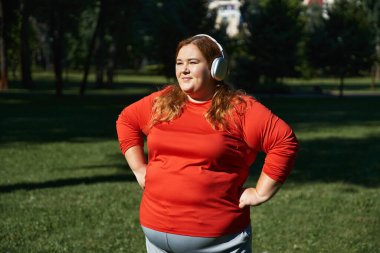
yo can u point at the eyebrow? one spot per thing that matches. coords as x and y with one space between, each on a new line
189 59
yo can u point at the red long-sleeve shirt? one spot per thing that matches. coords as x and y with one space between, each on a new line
195 174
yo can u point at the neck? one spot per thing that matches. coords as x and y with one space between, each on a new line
197 101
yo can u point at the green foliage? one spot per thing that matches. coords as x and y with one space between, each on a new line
373 7
173 21
343 45
278 38
78 39
12 32
274 32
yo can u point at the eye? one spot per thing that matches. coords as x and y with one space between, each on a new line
178 63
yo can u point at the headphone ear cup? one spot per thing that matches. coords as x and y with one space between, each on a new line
219 69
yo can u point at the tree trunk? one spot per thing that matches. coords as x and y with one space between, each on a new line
3 63
111 64
25 48
57 46
99 59
90 52
375 71
100 47
373 76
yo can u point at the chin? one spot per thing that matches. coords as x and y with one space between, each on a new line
187 90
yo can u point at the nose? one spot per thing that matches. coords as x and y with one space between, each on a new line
185 68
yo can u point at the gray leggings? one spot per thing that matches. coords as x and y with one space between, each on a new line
159 242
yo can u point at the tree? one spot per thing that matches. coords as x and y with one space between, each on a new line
50 23
118 34
90 52
173 21
3 63
100 43
313 18
11 35
26 72
56 31
373 7
113 31
344 44
274 30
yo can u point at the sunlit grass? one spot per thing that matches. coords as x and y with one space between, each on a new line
139 82
318 217
346 132
119 77
352 85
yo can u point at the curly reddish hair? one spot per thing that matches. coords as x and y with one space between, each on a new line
170 103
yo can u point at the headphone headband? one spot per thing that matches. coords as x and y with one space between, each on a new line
214 40
219 66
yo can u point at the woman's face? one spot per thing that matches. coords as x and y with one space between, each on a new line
193 73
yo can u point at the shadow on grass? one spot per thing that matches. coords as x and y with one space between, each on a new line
73 87
45 118
67 182
41 118
337 157
354 161
349 153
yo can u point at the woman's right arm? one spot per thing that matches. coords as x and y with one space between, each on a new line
136 160
131 127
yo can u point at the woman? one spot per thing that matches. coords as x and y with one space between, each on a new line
202 137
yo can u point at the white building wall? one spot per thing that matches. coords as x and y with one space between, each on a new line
228 11
324 2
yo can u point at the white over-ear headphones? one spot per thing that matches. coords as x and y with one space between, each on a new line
219 66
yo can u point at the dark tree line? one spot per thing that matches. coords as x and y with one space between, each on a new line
344 44
286 39
3 66
278 38
96 34
274 30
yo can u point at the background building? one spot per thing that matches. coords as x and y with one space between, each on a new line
228 13
320 2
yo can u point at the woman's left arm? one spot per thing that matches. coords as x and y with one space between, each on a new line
265 189
267 132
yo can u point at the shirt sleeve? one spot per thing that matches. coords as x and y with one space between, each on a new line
132 123
264 131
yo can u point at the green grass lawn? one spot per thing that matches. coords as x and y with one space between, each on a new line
65 187
352 86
